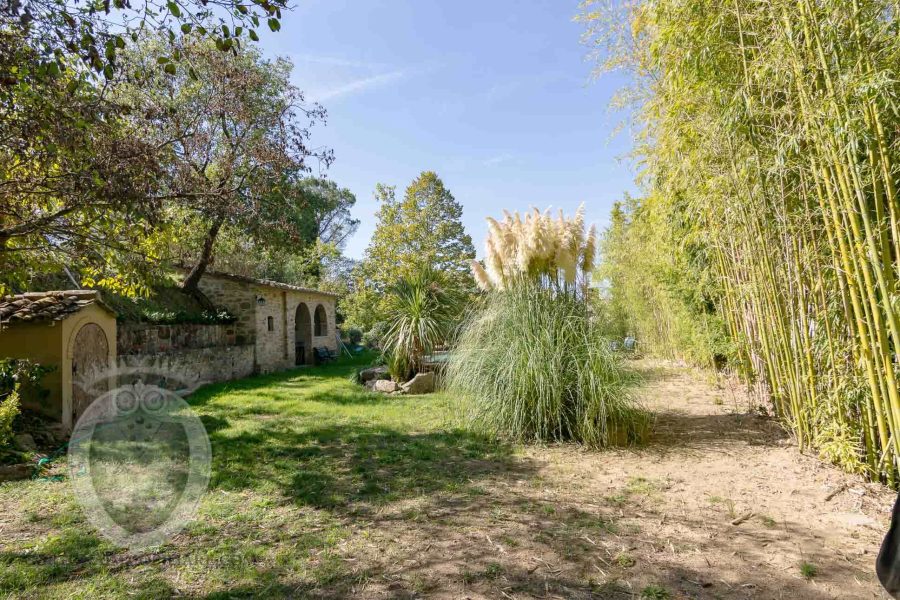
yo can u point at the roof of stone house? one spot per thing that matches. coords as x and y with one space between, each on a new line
47 306
267 283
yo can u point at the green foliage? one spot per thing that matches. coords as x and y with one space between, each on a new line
624 560
75 186
318 210
16 375
111 185
532 366
808 570
94 35
354 336
165 303
242 131
655 592
17 372
423 230
656 290
373 337
421 312
768 137
9 410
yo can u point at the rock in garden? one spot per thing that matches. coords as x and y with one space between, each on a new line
422 383
15 472
57 433
373 374
386 386
25 442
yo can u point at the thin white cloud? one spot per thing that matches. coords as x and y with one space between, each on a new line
333 61
496 160
358 85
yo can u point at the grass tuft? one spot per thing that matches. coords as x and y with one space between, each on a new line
655 592
808 570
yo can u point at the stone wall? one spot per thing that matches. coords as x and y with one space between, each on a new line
276 349
239 299
205 365
190 352
272 352
267 318
142 338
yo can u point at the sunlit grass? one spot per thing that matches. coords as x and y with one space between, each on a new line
296 458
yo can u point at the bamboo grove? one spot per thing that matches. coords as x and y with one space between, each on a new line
769 227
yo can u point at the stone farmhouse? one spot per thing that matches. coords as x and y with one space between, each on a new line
283 322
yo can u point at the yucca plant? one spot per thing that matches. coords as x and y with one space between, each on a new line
529 363
422 311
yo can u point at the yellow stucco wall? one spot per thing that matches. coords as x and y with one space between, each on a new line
53 343
42 343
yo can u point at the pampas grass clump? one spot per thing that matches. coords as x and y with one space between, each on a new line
529 363
537 247
530 366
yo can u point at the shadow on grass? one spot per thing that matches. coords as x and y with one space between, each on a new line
477 496
57 558
337 466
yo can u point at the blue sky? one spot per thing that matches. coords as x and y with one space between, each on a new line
495 96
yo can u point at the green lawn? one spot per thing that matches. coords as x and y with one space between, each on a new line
303 463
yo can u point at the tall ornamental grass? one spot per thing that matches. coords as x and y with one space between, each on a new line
529 363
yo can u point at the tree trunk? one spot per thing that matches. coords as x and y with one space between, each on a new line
192 280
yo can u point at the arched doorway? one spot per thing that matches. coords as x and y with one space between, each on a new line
90 356
303 329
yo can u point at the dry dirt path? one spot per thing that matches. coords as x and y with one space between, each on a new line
719 504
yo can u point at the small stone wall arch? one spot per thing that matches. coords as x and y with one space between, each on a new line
320 321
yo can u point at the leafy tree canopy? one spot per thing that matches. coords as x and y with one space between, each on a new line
95 32
421 231
319 209
236 133
76 185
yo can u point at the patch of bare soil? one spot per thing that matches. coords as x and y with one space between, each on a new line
719 504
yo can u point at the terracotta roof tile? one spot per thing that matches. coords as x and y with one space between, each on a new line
47 306
266 283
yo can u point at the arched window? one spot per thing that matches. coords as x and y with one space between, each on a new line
320 321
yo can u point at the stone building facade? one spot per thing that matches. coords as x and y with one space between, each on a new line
282 322
277 327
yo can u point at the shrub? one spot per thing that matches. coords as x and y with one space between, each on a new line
17 375
531 366
372 338
354 336
9 410
421 313
21 372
